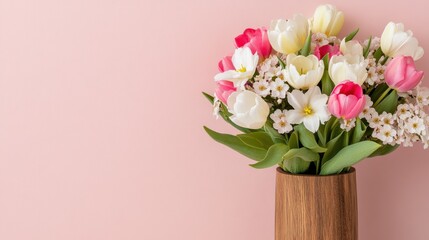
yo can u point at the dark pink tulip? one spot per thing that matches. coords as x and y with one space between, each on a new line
320 52
347 100
256 40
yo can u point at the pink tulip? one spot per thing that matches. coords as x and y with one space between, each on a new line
225 64
401 74
320 52
347 100
256 40
224 89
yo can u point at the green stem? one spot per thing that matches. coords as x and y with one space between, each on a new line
335 123
382 97
384 60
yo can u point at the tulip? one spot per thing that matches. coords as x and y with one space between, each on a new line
256 40
303 72
226 64
328 20
347 100
350 66
352 49
401 74
321 51
288 36
248 109
240 68
224 90
395 41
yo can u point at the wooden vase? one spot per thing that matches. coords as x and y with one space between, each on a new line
316 207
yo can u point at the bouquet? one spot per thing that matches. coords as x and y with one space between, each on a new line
315 103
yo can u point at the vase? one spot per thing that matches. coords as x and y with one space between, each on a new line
312 207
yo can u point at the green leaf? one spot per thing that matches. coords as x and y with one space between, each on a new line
308 140
303 153
367 48
236 144
378 91
388 104
352 35
328 127
276 137
378 54
333 147
336 129
209 97
274 156
307 46
225 115
384 150
359 131
298 160
349 156
282 64
327 84
293 140
296 165
321 136
256 139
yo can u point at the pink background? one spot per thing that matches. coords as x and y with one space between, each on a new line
101 124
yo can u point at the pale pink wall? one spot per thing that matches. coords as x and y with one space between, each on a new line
101 124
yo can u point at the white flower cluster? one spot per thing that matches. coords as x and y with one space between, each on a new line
321 39
409 124
375 69
280 122
270 80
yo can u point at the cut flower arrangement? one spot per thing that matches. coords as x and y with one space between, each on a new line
314 103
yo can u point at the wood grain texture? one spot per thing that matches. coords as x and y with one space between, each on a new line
316 207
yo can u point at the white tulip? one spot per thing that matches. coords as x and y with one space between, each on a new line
341 69
328 20
352 48
303 72
288 36
395 41
350 66
248 109
245 64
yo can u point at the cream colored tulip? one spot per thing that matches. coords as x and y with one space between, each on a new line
343 68
328 20
288 36
303 72
349 66
248 109
395 41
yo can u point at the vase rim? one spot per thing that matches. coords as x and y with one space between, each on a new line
280 170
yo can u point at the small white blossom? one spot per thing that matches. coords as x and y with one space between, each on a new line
403 111
375 121
280 122
372 77
279 88
262 88
386 134
415 125
387 118
422 96
277 115
319 39
347 125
